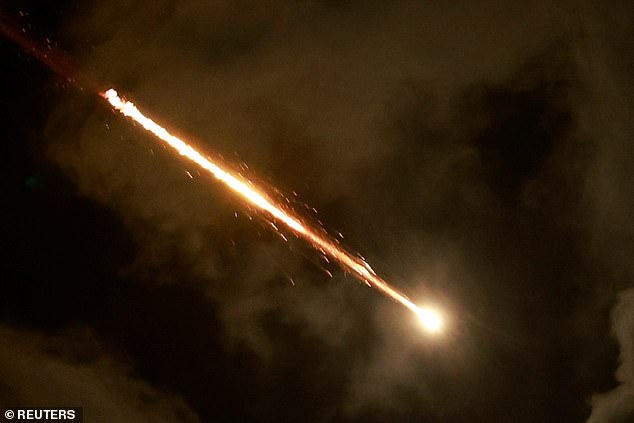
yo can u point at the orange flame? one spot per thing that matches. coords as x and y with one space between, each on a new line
253 196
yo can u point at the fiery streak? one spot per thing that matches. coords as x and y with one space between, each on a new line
254 197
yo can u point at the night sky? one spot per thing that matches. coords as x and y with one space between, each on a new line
480 155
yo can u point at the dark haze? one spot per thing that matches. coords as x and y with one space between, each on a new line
478 154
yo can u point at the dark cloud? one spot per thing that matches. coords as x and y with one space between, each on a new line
70 369
617 405
477 153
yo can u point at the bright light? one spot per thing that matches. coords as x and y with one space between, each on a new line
276 210
431 320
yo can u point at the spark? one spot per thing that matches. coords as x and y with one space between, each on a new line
258 199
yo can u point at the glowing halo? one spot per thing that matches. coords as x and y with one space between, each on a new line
431 320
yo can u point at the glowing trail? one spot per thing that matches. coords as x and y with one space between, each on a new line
245 189
63 66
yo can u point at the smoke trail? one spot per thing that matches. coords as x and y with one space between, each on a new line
58 61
